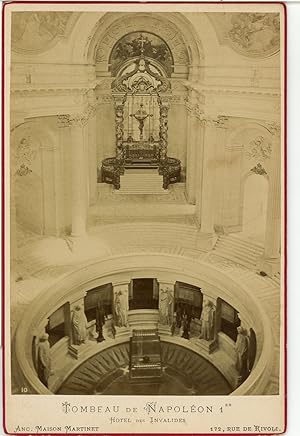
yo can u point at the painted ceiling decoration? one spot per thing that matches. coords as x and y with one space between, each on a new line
250 34
38 31
141 43
169 38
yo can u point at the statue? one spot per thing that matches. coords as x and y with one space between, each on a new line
186 324
166 306
79 326
113 329
241 349
120 309
100 321
207 321
44 359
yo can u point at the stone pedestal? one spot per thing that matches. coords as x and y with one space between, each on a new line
206 347
77 351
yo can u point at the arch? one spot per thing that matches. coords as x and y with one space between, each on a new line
176 32
134 44
248 125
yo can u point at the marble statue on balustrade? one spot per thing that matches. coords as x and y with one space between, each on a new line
79 326
207 321
242 350
44 359
100 321
120 305
166 299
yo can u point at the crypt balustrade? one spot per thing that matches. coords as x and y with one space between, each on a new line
204 326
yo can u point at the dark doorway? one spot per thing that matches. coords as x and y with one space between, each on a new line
229 319
143 294
56 327
188 300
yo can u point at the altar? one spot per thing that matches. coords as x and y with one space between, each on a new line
141 93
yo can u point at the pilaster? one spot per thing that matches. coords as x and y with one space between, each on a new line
77 124
270 262
194 148
232 205
92 161
220 191
205 203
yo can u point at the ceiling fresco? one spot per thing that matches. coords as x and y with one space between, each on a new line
250 34
141 43
37 31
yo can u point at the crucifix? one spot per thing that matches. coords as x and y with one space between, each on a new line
142 40
141 115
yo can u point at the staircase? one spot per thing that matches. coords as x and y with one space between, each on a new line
141 182
241 250
196 374
194 371
104 367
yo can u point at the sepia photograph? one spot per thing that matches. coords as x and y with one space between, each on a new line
145 216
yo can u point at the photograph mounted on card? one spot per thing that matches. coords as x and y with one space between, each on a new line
144 179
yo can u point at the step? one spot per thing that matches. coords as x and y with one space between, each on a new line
238 251
230 255
236 244
242 241
235 248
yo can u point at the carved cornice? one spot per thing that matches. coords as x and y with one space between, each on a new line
80 119
203 90
26 92
177 99
104 99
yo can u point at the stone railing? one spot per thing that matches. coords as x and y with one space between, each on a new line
60 292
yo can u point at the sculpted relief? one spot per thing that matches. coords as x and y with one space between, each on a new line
259 149
35 31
